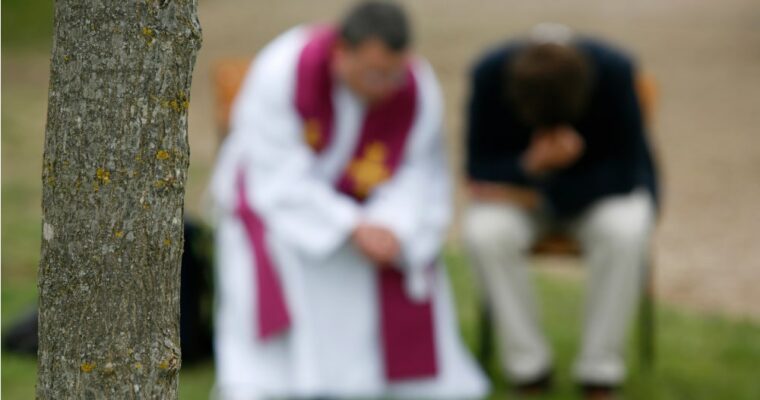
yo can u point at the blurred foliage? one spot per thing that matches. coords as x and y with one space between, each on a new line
27 24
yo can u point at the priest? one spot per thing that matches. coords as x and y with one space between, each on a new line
332 201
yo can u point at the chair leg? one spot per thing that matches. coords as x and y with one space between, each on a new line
485 343
647 323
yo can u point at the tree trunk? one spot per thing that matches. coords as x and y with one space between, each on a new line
115 166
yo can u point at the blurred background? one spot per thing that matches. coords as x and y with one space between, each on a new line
705 56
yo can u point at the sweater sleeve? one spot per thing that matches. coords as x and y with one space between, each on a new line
491 155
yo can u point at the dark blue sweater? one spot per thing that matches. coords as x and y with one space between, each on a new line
616 158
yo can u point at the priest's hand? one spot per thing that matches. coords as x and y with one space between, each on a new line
552 149
490 192
378 243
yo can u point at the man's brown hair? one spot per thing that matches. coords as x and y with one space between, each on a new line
548 83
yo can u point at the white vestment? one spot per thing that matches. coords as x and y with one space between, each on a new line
333 347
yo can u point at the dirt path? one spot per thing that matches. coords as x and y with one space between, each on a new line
705 54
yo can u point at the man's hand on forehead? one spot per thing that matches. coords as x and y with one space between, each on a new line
552 149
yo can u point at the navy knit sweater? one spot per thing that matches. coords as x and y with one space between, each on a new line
616 158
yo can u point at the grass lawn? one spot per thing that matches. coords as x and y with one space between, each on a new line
700 357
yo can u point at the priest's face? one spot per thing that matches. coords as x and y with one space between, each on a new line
371 69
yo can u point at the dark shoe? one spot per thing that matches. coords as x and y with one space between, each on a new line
538 386
595 391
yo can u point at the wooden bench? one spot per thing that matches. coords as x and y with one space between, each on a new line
227 76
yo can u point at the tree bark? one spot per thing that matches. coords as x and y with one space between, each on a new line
115 166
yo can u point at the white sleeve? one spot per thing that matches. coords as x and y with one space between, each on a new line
416 203
297 206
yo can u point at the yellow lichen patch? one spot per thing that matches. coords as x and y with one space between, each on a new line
103 175
178 104
87 367
138 366
118 234
164 364
162 155
167 242
184 102
148 33
159 184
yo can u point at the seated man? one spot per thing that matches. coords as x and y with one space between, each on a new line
333 198
556 141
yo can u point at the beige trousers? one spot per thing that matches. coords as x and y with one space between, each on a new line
614 233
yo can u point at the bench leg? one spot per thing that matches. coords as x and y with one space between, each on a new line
647 320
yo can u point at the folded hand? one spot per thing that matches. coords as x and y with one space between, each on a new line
378 243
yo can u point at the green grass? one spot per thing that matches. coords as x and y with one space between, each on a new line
701 357
27 24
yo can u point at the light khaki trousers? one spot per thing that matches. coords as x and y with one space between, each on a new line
614 234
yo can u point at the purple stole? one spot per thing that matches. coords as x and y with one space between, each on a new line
407 328
272 313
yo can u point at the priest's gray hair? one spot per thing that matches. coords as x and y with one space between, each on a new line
383 20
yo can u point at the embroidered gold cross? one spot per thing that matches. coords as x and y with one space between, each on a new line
312 133
369 170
